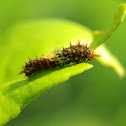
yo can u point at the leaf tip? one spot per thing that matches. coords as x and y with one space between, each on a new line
121 11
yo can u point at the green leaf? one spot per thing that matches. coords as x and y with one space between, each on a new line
31 39
15 96
109 60
101 36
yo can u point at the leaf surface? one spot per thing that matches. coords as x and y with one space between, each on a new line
31 39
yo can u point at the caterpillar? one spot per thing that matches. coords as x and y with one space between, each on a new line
75 53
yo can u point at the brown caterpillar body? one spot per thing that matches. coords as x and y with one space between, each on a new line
75 53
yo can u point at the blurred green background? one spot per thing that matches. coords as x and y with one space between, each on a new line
94 98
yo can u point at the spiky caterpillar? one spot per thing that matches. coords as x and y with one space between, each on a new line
75 53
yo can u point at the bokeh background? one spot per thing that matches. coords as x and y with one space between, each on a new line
94 98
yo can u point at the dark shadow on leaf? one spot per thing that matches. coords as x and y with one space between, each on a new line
21 83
